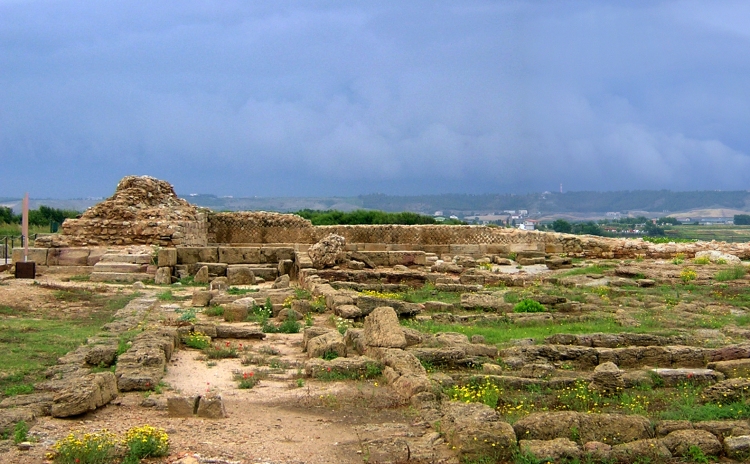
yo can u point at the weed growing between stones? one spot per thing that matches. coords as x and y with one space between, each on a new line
241 291
166 296
529 306
221 352
21 389
475 391
214 311
197 340
20 432
289 326
328 374
687 275
702 260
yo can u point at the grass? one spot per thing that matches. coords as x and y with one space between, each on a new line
240 291
734 273
503 331
429 293
595 269
29 346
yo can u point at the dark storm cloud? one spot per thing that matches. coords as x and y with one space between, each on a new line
314 98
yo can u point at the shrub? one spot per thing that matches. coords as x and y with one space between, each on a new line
528 306
240 291
145 442
702 260
85 448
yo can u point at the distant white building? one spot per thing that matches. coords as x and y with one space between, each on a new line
527 225
438 213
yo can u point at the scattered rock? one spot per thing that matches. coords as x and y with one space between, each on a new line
383 330
607 379
327 252
680 441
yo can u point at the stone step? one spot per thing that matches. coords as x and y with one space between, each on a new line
119 277
672 377
135 259
120 267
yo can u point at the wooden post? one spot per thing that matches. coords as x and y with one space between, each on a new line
25 227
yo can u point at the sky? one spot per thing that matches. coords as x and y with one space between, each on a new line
341 98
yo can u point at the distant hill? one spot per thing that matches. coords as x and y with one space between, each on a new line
657 202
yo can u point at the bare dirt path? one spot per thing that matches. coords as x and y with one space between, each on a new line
282 420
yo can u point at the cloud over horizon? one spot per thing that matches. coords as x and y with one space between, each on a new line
335 98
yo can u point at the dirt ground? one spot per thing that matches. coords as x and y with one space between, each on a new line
280 420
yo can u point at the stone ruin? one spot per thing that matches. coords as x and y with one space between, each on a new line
143 210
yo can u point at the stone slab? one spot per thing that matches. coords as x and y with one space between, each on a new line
37 255
120 277
68 256
120 267
192 255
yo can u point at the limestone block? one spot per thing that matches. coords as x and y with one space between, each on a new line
120 267
163 276
240 255
182 406
68 257
235 313
192 255
275 254
83 394
383 330
211 407
37 255
95 255
312 332
240 274
201 277
214 269
201 298
167 257
119 277
331 341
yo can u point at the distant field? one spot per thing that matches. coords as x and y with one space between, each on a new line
725 233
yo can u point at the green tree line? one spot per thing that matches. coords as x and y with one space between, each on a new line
334 217
42 216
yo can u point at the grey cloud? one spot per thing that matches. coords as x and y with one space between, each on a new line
321 98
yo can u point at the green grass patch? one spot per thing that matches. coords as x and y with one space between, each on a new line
430 293
240 291
29 346
214 311
734 273
503 331
166 296
595 269
80 278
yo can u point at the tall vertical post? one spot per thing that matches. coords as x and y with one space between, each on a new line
25 227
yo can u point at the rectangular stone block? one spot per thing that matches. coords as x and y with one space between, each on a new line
374 247
119 277
167 257
470 250
407 258
95 255
37 255
240 255
192 255
497 249
553 248
272 255
265 273
214 269
68 256
519 247
437 249
141 258
120 267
